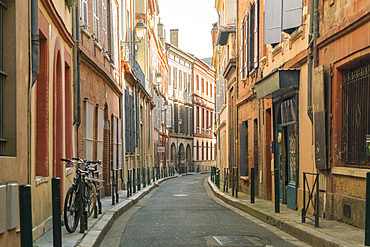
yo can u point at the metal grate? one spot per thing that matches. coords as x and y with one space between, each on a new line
355 115
2 78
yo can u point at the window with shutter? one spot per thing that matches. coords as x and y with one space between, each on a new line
105 35
137 117
256 33
114 141
119 143
273 14
292 15
169 76
96 20
175 78
246 54
84 14
115 60
169 116
100 136
88 130
243 134
132 127
180 80
111 31
176 118
242 44
250 36
127 122
149 124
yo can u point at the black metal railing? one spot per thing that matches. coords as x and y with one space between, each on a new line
356 116
137 69
311 195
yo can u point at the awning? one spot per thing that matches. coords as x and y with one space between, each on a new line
277 83
223 34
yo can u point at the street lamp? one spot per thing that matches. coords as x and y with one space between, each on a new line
139 31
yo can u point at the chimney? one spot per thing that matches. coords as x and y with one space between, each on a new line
174 37
161 32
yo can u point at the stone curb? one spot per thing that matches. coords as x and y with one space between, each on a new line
96 233
299 231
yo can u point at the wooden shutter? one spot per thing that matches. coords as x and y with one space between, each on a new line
246 44
114 141
176 118
250 36
119 143
84 14
137 117
169 76
242 49
256 34
149 124
243 151
132 127
169 116
100 136
273 12
292 15
127 122
105 35
88 130
111 31
96 19
115 49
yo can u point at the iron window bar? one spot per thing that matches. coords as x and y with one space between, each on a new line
355 115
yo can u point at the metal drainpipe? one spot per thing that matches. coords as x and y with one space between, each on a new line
309 63
237 86
76 67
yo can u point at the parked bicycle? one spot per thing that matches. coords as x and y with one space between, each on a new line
82 192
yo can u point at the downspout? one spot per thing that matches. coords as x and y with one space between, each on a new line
34 65
309 63
76 69
237 94
35 39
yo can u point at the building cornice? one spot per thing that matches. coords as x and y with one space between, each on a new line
58 22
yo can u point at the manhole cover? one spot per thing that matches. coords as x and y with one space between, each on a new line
233 241
180 195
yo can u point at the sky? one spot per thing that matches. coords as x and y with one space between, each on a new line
194 20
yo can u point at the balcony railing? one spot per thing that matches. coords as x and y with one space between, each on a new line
137 69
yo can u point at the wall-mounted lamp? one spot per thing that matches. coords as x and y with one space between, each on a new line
139 31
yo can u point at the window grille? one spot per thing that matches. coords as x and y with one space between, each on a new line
2 79
355 116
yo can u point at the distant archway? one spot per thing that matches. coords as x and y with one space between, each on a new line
173 158
189 162
182 156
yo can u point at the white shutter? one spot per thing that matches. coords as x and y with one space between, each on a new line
273 12
114 142
105 40
169 116
96 19
88 130
256 33
115 35
84 14
100 137
292 15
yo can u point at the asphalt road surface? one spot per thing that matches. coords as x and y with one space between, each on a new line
183 212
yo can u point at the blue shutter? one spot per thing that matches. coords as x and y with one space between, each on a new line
132 116
127 122
292 15
243 150
137 117
273 12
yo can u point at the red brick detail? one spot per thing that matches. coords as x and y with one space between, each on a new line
42 103
68 106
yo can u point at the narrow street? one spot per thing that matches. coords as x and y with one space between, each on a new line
184 212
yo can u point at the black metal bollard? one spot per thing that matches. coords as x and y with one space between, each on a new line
367 211
138 179
25 211
113 185
133 181
277 194
252 184
237 182
144 179
57 223
83 216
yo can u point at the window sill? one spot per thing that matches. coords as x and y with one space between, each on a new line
277 49
96 44
351 172
41 180
264 60
85 32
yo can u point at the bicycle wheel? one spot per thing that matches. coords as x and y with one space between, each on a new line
71 210
90 197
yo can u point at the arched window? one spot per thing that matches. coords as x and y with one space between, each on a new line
197 147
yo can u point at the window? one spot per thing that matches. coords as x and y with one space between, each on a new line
206 151
203 120
130 122
198 126
211 95
175 78
105 33
197 149
84 14
114 138
202 85
169 76
180 80
99 133
96 19
88 130
207 83
198 83
356 116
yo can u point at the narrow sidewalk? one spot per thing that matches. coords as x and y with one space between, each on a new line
98 227
330 233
